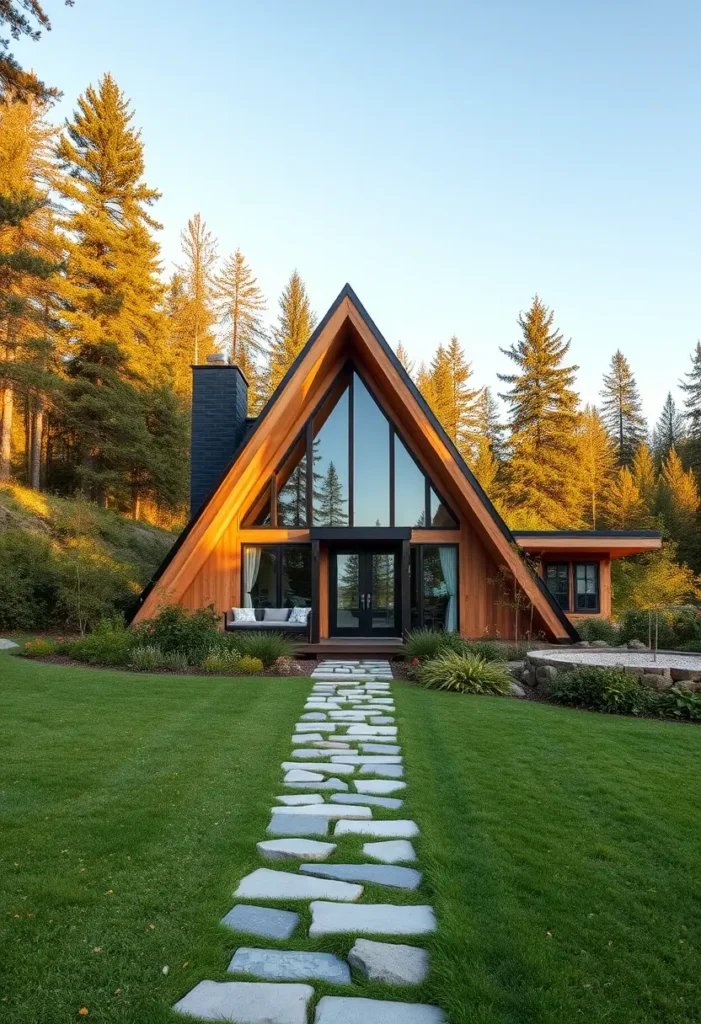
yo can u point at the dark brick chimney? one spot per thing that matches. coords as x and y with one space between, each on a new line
219 404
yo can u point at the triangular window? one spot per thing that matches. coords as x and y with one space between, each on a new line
363 473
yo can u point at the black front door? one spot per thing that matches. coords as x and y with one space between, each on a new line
363 593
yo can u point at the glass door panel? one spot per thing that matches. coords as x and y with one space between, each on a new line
381 596
348 594
363 593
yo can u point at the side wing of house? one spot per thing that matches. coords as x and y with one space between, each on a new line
348 491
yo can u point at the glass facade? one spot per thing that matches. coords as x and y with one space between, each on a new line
277 576
586 587
409 488
434 586
330 455
292 497
371 447
557 580
582 578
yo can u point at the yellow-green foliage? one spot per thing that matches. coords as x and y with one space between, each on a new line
66 562
249 666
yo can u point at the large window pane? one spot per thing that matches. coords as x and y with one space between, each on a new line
383 589
259 513
348 591
292 497
409 488
370 459
586 587
440 515
296 577
331 468
557 580
259 577
440 567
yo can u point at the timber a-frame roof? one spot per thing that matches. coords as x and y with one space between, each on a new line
346 322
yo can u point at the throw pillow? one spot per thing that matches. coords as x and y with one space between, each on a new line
276 614
300 615
244 614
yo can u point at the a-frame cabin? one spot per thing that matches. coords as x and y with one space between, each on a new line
346 496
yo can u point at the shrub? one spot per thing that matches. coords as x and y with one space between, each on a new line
600 689
676 703
598 629
146 658
677 628
110 643
174 661
248 666
424 643
266 647
27 580
219 662
490 650
287 667
40 648
464 673
190 633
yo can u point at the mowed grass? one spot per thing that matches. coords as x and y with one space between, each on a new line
560 849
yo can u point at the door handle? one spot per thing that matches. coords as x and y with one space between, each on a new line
368 601
362 601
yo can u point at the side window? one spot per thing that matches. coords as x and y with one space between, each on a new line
557 580
586 587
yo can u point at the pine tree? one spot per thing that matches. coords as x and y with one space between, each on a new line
543 478
489 423
624 508
488 451
404 359
669 432
645 479
691 387
26 18
240 305
622 409
598 464
296 321
112 286
199 247
678 504
329 506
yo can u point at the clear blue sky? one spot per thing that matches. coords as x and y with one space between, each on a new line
449 159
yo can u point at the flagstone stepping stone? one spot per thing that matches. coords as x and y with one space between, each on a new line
372 730
349 716
380 748
315 727
289 965
334 784
262 921
318 705
353 759
247 1002
303 776
297 824
351 1010
301 798
7 645
295 849
314 716
340 766
325 811
373 801
370 918
390 962
391 852
400 829
379 874
309 752
378 786
392 771
266 884
331 745
381 720
307 737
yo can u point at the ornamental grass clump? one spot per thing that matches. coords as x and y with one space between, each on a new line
423 644
146 658
464 673
267 647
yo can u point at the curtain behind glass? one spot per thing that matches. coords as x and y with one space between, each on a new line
251 565
449 567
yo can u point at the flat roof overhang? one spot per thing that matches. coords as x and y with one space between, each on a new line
610 543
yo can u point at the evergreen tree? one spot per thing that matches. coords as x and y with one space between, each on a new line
296 321
240 305
329 506
489 423
445 386
598 464
669 431
624 509
404 359
678 504
622 409
26 18
488 450
691 387
179 340
199 247
112 288
543 477
645 479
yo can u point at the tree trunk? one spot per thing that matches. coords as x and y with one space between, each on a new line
6 433
37 439
135 496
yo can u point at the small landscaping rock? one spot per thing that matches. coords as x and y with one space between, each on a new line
636 645
389 962
289 965
262 921
246 1002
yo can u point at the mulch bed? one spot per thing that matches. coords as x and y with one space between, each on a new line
306 669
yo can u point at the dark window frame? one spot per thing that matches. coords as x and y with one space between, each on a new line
596 566
558 565
307 433
279 549
419 562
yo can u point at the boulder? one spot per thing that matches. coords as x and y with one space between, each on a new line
599 643
636 645
689 685
656 681
544 674
528 677
514 668
516 690
582 643
679 674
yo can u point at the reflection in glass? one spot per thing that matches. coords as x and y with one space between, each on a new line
292 497
348 591
409 488
259 513
260 577
331 468
370 459
557 580
440 578
296 577
440 516
382 597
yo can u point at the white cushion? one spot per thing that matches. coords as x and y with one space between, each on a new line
300 615
244 614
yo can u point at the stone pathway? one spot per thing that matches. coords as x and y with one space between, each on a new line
346 753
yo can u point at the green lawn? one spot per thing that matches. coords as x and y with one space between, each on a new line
560 849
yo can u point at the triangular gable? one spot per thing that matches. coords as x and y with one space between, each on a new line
283 416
